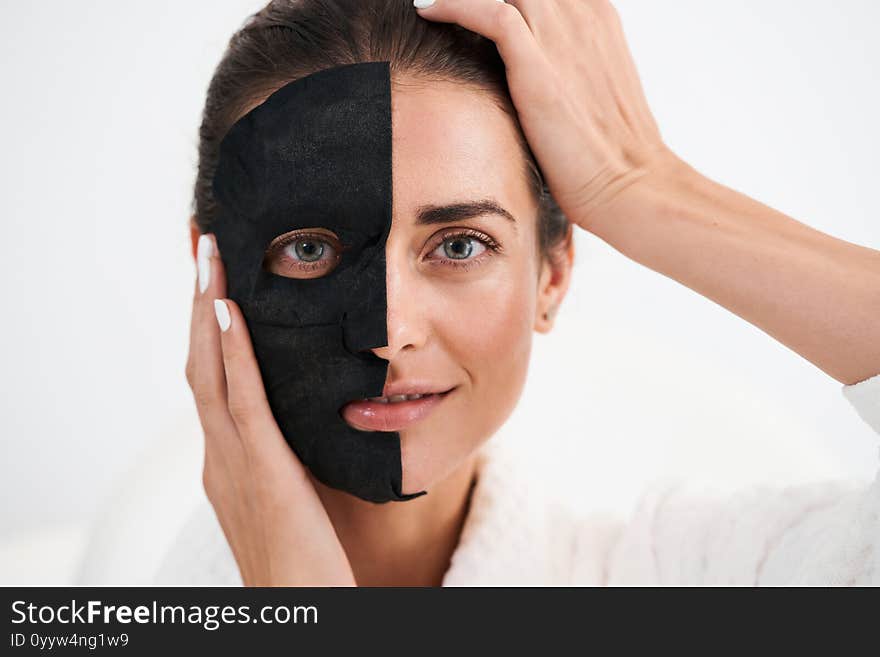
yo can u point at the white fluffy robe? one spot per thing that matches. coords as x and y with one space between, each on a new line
823 533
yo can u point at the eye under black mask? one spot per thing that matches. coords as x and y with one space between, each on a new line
317 154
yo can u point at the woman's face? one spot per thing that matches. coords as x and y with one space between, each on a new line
466 286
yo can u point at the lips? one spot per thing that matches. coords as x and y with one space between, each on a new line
393 412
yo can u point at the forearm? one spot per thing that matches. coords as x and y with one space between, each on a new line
818 295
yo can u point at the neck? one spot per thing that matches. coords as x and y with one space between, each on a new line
402 543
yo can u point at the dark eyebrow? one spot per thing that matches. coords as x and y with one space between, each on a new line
448 214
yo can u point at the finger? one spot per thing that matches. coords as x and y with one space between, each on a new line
246 394
205 362
497 20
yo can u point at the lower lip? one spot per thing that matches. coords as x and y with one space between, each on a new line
394 416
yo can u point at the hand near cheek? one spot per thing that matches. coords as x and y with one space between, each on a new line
273 519
576 92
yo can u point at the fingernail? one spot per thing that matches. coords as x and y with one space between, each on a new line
203 257
422 4
222 312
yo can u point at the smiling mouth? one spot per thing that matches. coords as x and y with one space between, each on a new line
392 413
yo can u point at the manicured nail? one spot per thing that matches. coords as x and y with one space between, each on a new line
203 257
422 4
222 312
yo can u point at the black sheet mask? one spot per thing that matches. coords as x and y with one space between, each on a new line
317 154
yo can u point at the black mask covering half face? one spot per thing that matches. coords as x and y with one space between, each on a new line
317 154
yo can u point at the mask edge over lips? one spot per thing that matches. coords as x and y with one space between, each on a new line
317 153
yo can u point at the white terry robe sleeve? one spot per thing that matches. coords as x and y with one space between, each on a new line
824 533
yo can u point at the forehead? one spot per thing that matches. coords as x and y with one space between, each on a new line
451 142
400 141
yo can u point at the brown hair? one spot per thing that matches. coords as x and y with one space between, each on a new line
289 39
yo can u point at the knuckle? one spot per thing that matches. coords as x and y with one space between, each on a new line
209 482
205 398
507 18
241 409
548 95
208 478
190 372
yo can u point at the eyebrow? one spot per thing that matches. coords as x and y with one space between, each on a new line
447 214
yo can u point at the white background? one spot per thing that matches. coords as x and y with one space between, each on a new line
101 105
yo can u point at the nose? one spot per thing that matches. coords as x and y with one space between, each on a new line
406 316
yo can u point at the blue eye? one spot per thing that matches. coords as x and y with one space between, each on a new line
460 247
309 250
304 253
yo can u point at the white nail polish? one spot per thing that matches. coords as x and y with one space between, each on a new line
203 257
222 312
422 4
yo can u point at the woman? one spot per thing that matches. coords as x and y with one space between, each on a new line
548 85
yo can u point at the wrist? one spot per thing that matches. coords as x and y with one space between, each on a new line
659 190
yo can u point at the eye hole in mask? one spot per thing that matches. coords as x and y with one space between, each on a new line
304 253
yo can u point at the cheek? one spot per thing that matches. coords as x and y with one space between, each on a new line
483 327
495 334
486 328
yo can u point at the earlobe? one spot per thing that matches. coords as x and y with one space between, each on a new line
544 321
547 298
553 283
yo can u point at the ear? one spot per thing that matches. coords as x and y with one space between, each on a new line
553 283
194 234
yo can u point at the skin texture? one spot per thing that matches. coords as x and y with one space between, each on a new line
582 109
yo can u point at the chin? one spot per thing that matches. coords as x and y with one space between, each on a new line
428 459
431 453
